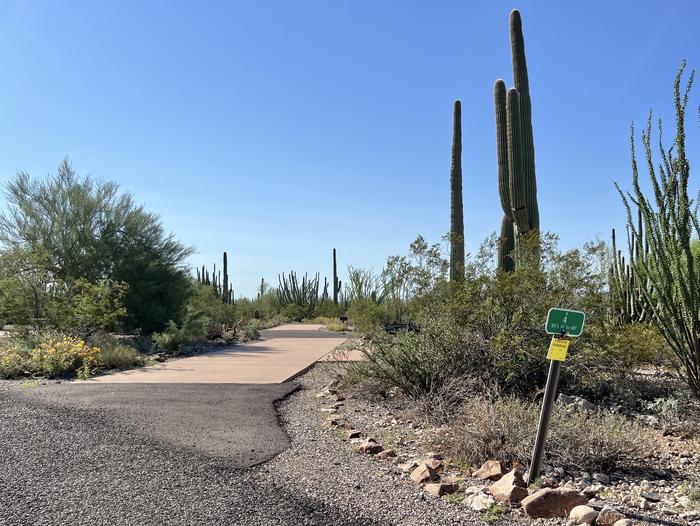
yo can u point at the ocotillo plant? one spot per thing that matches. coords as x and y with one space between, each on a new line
517 185
669 266
456 205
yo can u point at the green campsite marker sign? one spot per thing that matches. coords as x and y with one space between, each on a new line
568 321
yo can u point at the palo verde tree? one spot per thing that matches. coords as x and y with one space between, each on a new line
669 269
67 228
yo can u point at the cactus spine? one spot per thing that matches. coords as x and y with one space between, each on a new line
456 205
517 185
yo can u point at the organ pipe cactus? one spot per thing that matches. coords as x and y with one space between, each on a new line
304 293
456 205
225 297
517 185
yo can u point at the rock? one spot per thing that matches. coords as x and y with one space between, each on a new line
409 466
159 357
582 514
549 502
625 522
651 496
370 447
490 470
387 454
479 501
602 478
608 516
434 463
510 488
331 424
423 473
353 433
473 490
590 491
439 489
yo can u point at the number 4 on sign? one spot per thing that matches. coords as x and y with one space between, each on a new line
558 348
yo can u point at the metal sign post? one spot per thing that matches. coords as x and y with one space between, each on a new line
564 324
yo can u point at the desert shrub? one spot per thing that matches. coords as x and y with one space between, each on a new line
250 332
14 360
504 429
366 315
58 357
328 309
293 312
115 353
193 327
85 308
424 362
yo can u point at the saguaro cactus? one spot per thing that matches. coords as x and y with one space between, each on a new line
456 205
517 185
336 281
225 289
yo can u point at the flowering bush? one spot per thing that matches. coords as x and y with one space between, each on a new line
13 361
59 356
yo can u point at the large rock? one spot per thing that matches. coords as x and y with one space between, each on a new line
479 501
552 502
489 470
510 488
434 463
582 514
608 516
423 473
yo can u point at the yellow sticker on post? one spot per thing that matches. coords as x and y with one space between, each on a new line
558 348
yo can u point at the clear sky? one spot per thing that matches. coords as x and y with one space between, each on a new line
278 130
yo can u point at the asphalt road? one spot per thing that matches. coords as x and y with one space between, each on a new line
145 454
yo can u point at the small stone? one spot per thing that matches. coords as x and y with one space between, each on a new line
490 470
601 477
423 473
473 490
353 433
331 424
548 502
510 488
370 447
386 454
651 496
608 516
409 466
479 501
438 489
582 514
625 522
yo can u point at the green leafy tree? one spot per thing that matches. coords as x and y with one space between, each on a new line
66 227
670 224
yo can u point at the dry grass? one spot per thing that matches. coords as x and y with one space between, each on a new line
504 429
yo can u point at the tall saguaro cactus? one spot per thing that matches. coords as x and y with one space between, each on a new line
336 281
225 289
456 204
517 185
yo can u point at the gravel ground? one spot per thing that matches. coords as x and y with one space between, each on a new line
62 464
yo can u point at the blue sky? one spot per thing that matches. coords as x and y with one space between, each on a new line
279 130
